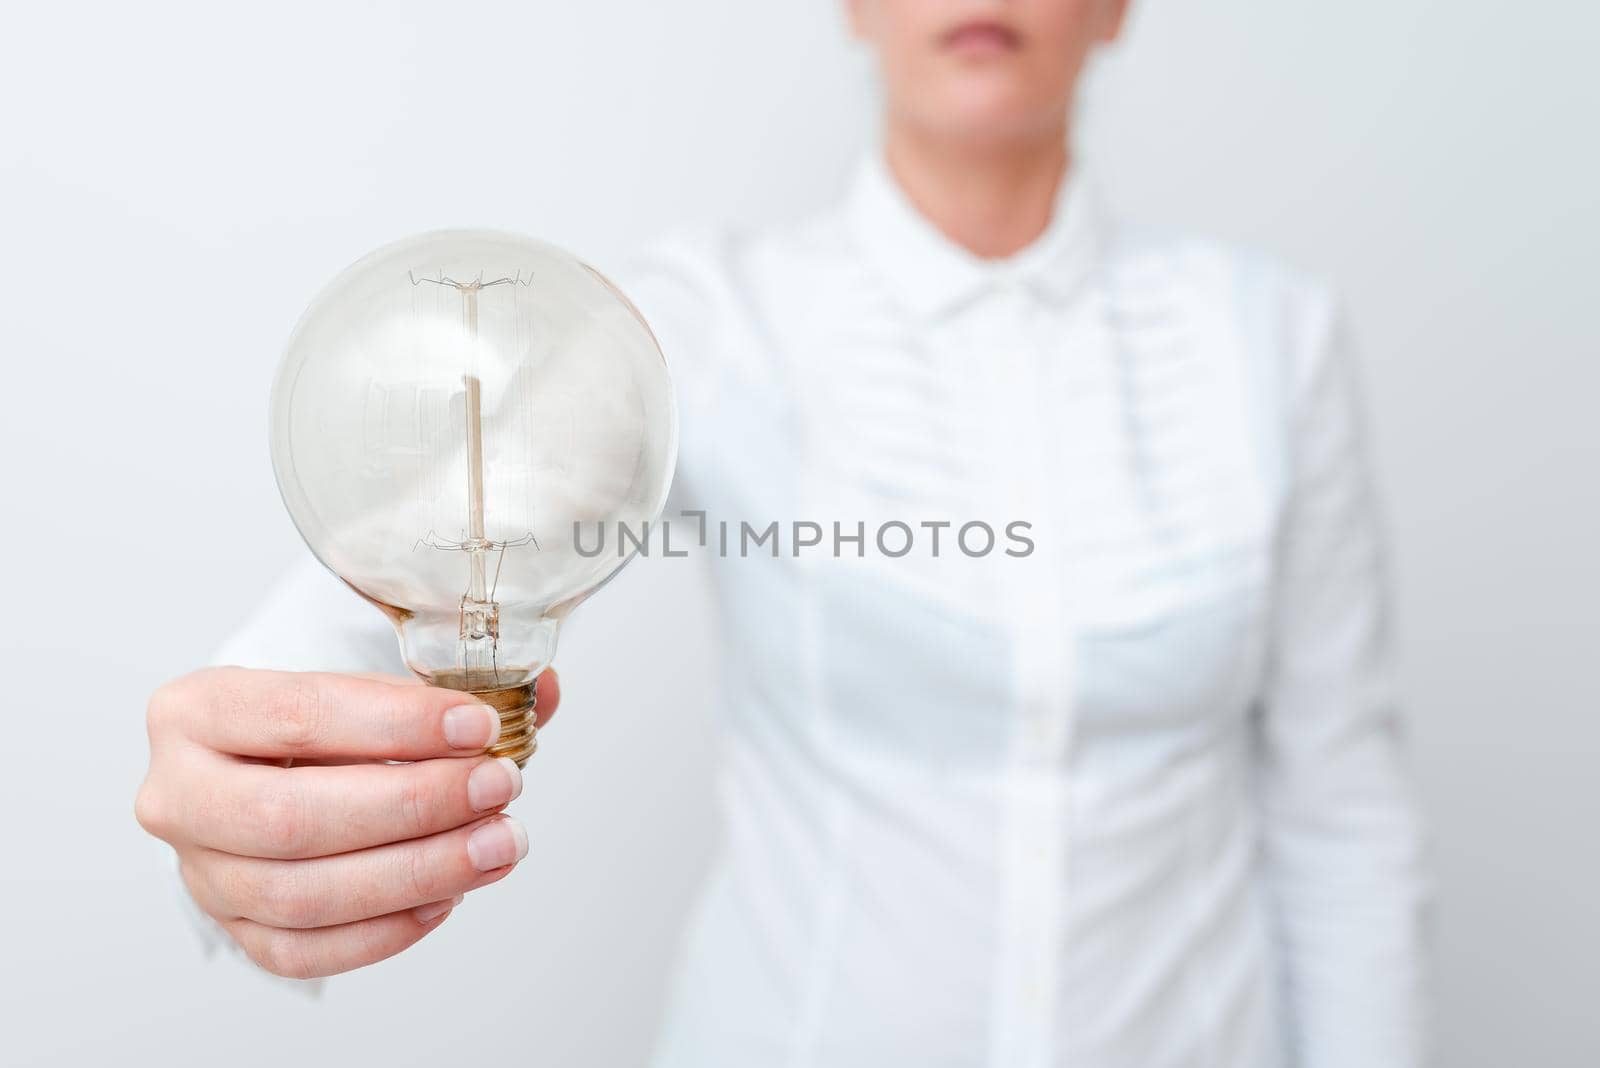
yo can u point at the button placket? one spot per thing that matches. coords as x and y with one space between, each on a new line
1032 794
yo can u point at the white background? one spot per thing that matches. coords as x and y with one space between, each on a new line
176 181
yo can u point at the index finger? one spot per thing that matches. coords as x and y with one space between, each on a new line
549 691
278 714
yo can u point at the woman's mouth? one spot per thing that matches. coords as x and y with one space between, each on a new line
981 39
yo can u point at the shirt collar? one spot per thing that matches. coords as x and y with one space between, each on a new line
931 275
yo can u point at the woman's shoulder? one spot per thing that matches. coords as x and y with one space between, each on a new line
679 283
1282 320
1246 280
682 264
709 288
720 260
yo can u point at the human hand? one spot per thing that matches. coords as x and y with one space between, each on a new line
340 860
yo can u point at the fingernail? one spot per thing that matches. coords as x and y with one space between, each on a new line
429 913
471 727
494 783
494 845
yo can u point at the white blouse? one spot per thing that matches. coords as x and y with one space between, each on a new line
1131 795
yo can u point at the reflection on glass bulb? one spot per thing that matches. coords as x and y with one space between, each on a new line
449 411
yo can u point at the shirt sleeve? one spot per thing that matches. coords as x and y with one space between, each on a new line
678 285
1341 839
310 621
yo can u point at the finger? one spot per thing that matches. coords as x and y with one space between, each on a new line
548 691
202 871
275 714
261 810
326 891
547 700
331 950
547 696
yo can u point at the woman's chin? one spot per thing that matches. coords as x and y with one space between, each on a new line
990 121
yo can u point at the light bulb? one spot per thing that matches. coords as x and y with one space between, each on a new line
451 411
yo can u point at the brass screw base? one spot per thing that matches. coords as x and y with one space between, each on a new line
519 738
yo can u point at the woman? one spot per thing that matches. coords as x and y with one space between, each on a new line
1129 794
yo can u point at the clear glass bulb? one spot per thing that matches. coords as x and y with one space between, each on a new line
451 411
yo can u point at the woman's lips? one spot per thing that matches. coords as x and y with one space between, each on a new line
981 39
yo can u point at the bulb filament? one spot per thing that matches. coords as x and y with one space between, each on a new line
480 612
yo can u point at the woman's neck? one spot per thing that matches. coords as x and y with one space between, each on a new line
991 200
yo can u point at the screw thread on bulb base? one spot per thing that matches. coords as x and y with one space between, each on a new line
519 736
